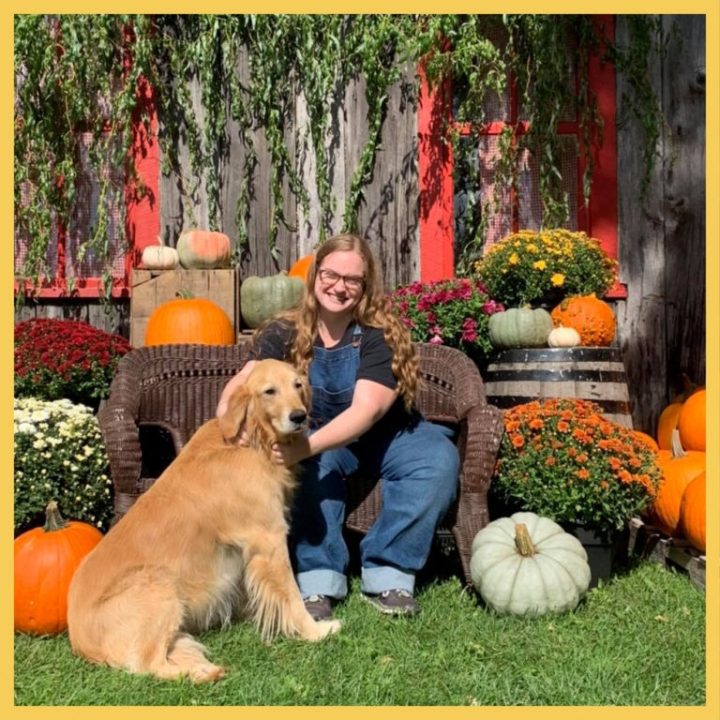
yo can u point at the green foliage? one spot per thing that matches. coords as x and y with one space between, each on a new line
59 455
84 71
637 641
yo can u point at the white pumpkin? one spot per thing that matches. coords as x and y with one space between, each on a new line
563 337
160 256
528 565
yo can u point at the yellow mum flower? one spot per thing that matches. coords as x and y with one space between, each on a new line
539 264
532 248
514 259
557 279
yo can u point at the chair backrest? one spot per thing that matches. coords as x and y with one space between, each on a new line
179 386
175 386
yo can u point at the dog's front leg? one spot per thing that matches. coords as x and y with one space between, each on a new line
275 600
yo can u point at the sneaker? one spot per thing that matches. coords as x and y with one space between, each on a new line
319 607
394 602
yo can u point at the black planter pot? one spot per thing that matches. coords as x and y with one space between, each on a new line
607 550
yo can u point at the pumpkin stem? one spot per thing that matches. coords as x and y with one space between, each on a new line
184 294
523 543
676 444
53 519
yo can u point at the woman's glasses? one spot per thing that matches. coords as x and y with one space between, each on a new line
330 277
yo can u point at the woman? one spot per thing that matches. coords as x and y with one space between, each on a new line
363 371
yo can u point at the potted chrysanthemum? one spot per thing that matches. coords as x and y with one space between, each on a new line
59 455
58 358
451 312
542 267
562 459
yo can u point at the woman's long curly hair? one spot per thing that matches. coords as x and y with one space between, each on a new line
372 311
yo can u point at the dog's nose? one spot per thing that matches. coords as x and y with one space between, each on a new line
298 416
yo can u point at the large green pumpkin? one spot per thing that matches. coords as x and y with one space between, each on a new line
263 297
520 327
528 565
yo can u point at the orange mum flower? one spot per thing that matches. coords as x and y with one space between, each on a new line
518 441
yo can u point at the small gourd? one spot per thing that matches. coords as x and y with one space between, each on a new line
45 561
528 565
263 297
563 337
519 327
204 249
593 318
159 257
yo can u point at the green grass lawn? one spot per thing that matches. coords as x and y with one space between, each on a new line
637 640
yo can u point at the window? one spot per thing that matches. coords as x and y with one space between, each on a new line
444 206
73 272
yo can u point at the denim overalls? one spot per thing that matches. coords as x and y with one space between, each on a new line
419 467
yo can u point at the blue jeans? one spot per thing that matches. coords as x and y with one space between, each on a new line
419 467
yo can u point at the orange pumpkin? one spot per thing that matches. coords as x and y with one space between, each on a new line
677 471
691 422
45 560
301 267
667 422
189 320
593 319
692 512
203 249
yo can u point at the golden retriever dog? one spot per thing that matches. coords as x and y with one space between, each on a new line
205 544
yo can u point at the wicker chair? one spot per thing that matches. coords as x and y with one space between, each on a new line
173 389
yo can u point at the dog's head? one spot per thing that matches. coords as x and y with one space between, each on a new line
270 406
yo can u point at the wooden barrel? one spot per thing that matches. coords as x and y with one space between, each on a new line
521 375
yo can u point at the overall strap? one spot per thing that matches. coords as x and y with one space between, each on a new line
356 335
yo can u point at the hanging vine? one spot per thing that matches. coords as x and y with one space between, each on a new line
82 72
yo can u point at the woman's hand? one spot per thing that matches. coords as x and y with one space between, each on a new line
234 382
291 453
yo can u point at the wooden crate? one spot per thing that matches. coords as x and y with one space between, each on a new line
649 541
151 288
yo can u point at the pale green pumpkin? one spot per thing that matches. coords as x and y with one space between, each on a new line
528 565
520 327
263 297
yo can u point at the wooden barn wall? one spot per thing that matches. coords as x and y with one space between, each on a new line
388 215
661 324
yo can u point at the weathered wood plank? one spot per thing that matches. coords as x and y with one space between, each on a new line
684 201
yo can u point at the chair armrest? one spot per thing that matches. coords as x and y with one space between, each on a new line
118 420
484 433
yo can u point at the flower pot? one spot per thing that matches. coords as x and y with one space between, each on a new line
607 549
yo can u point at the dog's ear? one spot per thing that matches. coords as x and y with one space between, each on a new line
231 423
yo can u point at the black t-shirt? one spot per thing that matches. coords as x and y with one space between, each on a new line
275 341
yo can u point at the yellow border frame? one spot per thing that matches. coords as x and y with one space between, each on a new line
712 708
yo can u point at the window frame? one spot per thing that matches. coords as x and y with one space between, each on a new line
142 215
599 217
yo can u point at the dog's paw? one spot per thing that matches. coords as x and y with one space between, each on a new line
328 627
207 673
